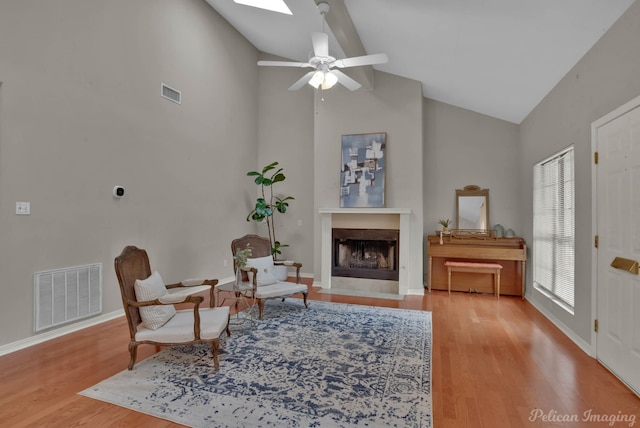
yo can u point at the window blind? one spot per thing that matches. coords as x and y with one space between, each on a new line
554 226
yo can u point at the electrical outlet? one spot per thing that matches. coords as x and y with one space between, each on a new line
225 263
23 208
299 222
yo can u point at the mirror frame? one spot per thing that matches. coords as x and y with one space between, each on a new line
472 190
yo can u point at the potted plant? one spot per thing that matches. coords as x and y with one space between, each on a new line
267 205
241 258
445 224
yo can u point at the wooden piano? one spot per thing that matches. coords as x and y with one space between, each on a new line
511 253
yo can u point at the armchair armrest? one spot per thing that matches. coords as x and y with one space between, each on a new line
193 282
290 263
287 263
187 291
168 299
196 285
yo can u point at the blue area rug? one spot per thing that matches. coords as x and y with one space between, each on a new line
333 365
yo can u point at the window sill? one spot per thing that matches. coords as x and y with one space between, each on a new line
554 299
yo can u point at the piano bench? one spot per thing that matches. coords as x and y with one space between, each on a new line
493 268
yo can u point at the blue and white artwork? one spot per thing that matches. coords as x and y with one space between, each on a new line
363 170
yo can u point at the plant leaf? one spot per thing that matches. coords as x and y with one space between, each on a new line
281 206
269 167
278 177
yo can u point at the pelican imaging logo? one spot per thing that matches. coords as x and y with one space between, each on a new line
612 419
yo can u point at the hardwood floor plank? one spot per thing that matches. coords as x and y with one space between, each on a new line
492 365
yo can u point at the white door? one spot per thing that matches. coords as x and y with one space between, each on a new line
617 141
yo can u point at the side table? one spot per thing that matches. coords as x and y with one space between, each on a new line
237 294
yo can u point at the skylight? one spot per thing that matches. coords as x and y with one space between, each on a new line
273 5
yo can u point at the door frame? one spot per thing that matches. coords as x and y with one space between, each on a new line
620 111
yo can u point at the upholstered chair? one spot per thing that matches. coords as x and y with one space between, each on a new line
259 271
151 315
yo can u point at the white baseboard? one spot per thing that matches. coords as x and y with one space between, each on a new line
52 334
582 344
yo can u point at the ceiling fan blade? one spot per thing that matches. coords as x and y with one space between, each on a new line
361 60
284 64
302 81
345 80
320 44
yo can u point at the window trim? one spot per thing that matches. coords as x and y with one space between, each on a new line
555 278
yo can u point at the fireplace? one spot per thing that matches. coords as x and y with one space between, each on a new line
365 253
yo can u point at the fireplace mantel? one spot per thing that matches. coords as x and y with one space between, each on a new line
326 241
406 211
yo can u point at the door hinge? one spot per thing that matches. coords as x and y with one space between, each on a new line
595 158
595 325
596 241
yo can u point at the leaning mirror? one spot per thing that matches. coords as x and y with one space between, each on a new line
472 208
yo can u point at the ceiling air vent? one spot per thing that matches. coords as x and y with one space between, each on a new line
171 94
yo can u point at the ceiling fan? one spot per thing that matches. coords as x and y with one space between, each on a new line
325 74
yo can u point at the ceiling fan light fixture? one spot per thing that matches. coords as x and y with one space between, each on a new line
330 79
273 5
317 79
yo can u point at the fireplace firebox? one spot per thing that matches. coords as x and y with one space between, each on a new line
365 253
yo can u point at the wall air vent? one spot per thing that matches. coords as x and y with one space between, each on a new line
171 94
65 295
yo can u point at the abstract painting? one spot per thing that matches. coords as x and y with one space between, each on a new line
363 170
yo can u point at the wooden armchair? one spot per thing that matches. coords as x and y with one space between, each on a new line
259 265
153 319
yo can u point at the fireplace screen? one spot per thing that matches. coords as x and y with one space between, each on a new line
365 253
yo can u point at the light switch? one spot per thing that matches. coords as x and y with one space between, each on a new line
23 208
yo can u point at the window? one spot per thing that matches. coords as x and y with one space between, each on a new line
554 228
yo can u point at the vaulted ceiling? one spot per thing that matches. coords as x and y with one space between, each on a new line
495 57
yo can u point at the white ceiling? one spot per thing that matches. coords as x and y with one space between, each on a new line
496 57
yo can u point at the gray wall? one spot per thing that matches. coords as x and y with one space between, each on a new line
605 78
462 147
80 111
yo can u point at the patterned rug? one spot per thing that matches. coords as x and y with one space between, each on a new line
333 365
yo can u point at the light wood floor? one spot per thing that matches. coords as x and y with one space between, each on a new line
492 365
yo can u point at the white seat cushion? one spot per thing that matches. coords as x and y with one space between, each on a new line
213 321
279 289
149 289
266 274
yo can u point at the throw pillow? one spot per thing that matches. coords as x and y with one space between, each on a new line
264 265
152 288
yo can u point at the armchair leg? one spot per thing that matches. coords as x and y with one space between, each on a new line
133 351
260 308
214 351
304 297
